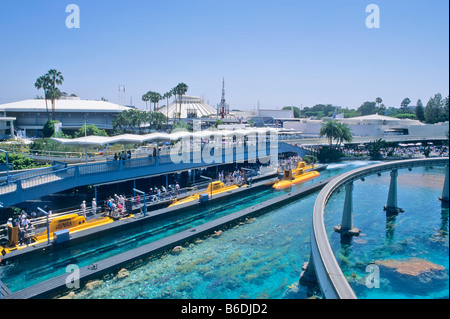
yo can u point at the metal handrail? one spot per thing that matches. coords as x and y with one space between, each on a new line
332 281
96 167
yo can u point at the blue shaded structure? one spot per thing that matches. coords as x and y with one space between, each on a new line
37 183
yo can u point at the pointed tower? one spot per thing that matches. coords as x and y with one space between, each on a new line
223 108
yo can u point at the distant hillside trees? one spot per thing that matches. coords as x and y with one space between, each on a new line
436 110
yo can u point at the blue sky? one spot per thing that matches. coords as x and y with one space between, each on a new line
287 52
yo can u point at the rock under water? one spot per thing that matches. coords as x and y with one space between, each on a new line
414 275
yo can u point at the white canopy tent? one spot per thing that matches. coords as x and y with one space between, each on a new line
129 139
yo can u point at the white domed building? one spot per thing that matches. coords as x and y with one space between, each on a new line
191 107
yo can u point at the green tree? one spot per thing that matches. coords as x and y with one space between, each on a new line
155 97
297 113
319 111
18 161
327 154
56 78
43 82
445 111
167 96
378 100
406 101
180 90
420 111
406 116
157 120
344 134
375 148
130 121
49 128
90 130
146 98
434 109
367 108
349 113
329 130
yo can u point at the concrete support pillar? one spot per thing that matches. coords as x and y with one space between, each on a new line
346 226
308 275
391 206
347 214
11 127
444 197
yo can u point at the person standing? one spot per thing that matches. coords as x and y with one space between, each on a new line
83 208
94 206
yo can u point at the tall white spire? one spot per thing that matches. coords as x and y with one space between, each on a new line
223 108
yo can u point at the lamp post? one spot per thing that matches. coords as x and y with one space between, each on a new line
211 180
145 205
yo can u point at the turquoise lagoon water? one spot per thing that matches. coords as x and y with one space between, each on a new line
263 258
420 232
31 270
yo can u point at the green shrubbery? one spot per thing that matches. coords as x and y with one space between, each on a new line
19 161
328 155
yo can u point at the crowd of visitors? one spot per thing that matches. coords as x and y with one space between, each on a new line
289 163
401 151
122 156
237 177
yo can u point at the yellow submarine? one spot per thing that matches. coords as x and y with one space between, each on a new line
217 188
72 222
295 176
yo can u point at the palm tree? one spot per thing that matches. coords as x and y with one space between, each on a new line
174 92
155 97
56 78
181 90
330 130
167 96
43 82
344 134
145 98
378 100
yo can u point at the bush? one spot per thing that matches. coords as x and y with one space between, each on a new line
19 161
49 128
327 155
89 131
375 149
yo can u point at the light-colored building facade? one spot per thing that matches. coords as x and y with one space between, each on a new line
374 126
31 115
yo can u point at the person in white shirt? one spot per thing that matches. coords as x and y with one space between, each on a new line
25 223
94 206
83 208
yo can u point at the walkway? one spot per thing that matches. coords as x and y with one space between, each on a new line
57 285
38 183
